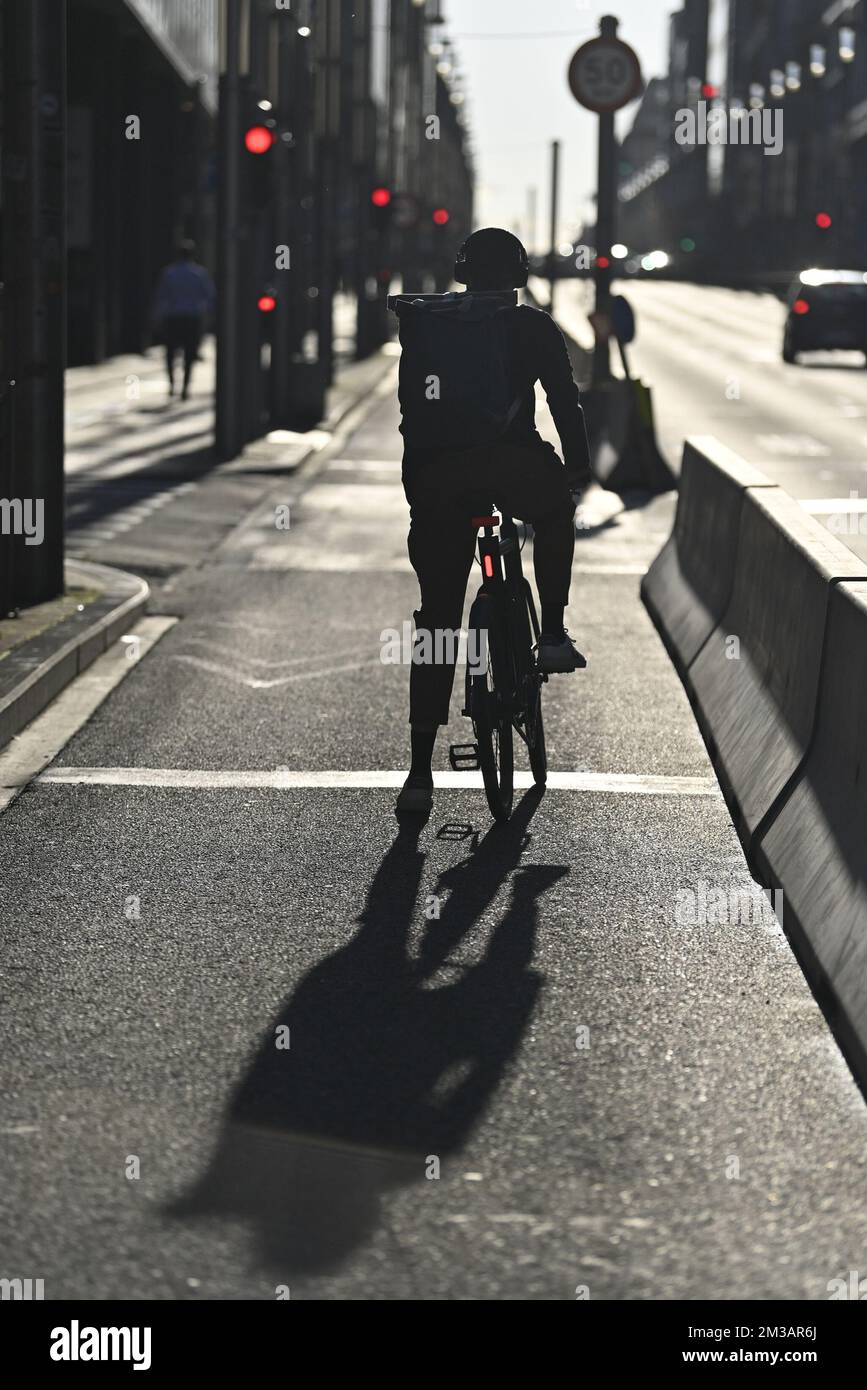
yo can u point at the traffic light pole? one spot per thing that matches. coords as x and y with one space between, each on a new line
229 433
285 198
605 218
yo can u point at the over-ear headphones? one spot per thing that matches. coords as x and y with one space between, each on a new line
493 250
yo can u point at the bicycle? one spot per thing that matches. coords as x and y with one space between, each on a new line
503 682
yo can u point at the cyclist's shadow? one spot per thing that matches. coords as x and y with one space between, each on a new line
384 1076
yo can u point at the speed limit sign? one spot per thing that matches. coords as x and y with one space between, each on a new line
605 74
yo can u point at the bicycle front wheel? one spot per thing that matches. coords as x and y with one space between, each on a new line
536 739
534 728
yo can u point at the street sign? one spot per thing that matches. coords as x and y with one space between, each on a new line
622 318
605 74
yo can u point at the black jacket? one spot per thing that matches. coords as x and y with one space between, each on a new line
538 352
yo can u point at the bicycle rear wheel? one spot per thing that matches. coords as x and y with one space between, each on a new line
491 716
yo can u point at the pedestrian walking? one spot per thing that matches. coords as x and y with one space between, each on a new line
185 298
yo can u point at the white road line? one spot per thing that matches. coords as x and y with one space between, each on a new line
611 569
39 744
187 779
257 683
363 466
827 506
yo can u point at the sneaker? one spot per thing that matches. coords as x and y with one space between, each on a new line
416 797
559 654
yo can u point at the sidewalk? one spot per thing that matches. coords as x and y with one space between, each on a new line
145 497
516 1062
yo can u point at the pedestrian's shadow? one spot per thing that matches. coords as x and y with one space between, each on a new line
387 1069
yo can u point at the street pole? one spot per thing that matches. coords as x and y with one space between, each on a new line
532 219
286 201
555 216
33 82
605 218
228 419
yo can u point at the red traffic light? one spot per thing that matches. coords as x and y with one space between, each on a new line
381 197
823 220
442 216
267 303
259 139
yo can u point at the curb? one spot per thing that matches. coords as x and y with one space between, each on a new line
780 710
341 424
34 673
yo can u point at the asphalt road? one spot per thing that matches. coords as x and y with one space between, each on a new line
367 1062
712 358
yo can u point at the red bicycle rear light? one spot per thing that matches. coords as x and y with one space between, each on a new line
489 566
801 306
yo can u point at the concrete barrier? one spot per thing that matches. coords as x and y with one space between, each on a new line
688 586
765 614
756 679
815 846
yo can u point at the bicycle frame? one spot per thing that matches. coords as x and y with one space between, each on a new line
503 692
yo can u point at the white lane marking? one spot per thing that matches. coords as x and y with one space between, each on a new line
39 744
231 653
611 569
256 683
827 506
793 445
622 783
364 466
314 560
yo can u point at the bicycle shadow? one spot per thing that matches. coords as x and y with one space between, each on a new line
384 1072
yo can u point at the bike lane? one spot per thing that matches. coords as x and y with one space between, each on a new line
259 1037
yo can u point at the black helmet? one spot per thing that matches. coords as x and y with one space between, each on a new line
493 255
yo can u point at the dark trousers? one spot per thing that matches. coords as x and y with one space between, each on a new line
183 333
445 492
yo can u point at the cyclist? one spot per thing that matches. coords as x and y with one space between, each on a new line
520 472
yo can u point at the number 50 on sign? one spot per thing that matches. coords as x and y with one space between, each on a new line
605 74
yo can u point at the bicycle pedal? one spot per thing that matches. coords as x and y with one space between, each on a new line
464 757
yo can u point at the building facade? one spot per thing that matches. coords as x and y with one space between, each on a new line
744 213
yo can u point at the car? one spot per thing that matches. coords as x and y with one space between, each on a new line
826 309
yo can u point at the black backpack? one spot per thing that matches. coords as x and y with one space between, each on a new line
454 369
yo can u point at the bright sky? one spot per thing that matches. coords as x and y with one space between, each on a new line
518 100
